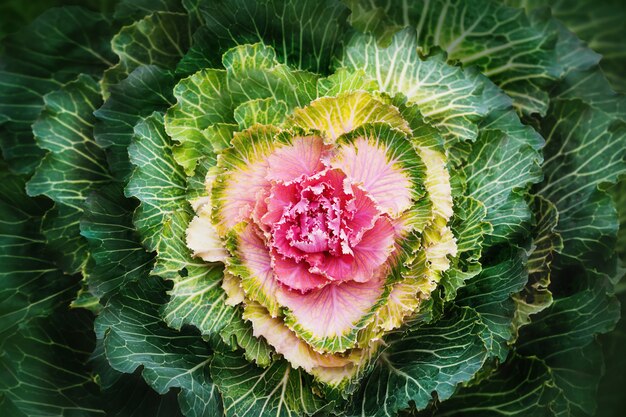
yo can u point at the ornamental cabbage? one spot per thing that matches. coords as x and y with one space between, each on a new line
298 208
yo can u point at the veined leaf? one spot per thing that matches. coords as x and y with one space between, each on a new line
44 371
278 390
306 34
514 51
600 24
407 371
74 166
117 256
52 50
145 90
159 39
521 387
31 285
563 336
134 335
490 294
157 182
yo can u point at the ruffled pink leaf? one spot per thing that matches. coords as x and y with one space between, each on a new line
317 241
282 243
282 196
368 255
260 209
334 309
303 157
255 256
240 193
364 214
367 164
296 275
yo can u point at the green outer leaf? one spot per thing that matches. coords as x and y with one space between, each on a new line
132 397
573 53
502 163
618 192
203 99
31 286
239 333
536 296
469 229
449 97
145 90
7 407
51 51
585 134
128 395
162 219
197 297
266 111
515 52
60 228
344 80
75 164
433 358
601 24
43 368
211 97
520 387
137 9
250 391
14 14
174 255
305 33
592 87
72 168
160 39
610 402
135 336
563 336
584 150
157 181
490 294
116 255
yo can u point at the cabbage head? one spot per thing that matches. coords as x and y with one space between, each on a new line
283 208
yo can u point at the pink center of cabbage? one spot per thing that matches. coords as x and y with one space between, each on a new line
316 222
319 227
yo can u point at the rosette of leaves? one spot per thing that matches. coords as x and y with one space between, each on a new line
293 208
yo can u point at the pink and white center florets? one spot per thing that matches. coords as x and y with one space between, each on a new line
319 225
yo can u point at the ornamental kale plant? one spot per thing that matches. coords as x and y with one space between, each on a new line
298 207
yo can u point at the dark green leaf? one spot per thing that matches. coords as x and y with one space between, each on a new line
432 359
43 367
135 336
52 50
117 256
147 89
